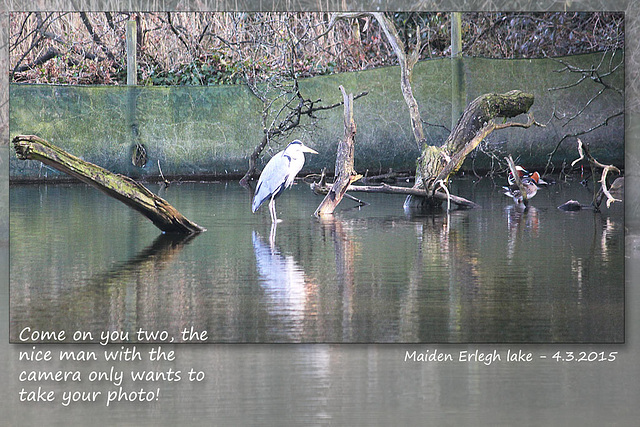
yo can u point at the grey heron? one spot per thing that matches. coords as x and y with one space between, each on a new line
279 174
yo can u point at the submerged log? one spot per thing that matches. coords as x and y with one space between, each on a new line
573 206
412 191
131 193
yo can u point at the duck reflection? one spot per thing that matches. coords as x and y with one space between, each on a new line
519 220
284 284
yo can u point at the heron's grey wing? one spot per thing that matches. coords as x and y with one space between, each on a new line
272 179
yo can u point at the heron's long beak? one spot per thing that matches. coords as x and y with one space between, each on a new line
308 150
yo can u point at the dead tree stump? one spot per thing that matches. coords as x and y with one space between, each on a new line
345 173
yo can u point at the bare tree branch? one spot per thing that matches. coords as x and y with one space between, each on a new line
594 74
94 36
584 153
605 122
406 65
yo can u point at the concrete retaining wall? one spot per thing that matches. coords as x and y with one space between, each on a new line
210 131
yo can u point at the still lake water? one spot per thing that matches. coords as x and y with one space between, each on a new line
82 261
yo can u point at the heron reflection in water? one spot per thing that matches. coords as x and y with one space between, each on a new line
278 175
284 284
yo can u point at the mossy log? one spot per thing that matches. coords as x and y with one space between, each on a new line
474 125
131 193
437 164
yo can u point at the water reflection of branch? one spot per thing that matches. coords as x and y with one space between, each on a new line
153 258
345 252
441 248
103 302
610 229
432 240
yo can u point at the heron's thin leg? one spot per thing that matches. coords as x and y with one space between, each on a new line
272 237
272 210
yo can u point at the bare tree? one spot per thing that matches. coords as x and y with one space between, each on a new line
437 164
600 73
283 103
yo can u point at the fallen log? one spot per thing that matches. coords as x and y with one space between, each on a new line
388 177
412 191
322 188
120 187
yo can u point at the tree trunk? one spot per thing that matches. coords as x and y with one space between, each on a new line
253 160
436 164
407 62
439 163
131 193
344 171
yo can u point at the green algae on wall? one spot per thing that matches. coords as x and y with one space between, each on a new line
554 106
210 131
190 130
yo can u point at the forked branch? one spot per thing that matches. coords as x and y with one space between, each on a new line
583 151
